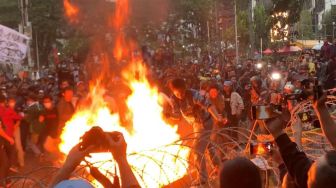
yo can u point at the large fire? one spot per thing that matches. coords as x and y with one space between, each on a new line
71 11
154 150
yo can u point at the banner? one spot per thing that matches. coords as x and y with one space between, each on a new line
13 45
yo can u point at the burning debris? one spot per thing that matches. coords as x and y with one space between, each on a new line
150 139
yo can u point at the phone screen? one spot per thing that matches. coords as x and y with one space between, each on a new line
261 148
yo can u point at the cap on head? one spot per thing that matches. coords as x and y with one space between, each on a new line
74 184
228 83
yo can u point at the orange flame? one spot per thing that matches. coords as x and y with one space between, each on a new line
149 142
154 148
117 21
71 11
121 14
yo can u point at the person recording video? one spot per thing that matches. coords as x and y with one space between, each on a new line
77 154
305 172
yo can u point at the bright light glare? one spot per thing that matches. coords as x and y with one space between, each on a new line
276 76
259 65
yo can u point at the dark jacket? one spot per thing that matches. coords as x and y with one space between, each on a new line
65 111
32 114
51 122
296 161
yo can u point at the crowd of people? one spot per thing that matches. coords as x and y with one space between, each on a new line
209 94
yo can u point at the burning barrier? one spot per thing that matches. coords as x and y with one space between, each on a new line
155 150
314 145
149 133
149 138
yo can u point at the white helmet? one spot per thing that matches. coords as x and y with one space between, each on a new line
289 88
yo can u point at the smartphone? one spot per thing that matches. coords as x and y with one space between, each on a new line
261 148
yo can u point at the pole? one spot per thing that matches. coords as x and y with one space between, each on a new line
333 32
250 28
236 33
37 54
208 28
261 47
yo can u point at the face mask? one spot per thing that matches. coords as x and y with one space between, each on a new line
48 105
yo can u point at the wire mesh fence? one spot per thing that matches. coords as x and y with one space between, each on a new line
221 142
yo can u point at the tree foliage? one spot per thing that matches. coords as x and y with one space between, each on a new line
46 17
305 25
293 7
261 24
10 14
328 19
243 32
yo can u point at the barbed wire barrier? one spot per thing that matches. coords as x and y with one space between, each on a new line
314 144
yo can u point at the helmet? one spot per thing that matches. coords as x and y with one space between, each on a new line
289 88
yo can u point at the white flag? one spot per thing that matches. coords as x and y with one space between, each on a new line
13 45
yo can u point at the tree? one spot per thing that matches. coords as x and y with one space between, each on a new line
305 25
293 7
46 17
261 25
196 12
229 35
328 19
243 31
10 13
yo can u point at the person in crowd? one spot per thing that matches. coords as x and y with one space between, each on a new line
305 172
6 144
80 93
275 93
8 116
50 116
76 156
11 121
325 50
330 81
35 121
292 99
217 99
64 84
5 156
234 106
198 111
328 125
65 108
259 94
239 173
